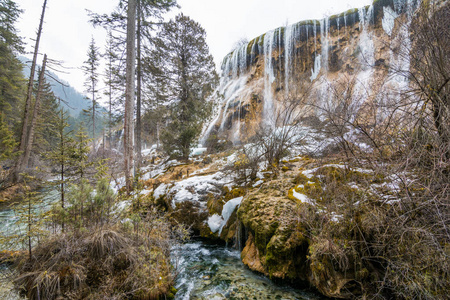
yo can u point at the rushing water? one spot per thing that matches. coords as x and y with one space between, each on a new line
205 271
215 272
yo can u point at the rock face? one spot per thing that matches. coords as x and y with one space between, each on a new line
310 63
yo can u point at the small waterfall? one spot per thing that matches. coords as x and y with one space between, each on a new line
337 23
269 78
235 63
290 34
243 59
324 29
315 35
345 22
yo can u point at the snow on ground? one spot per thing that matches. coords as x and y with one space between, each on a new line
302 197
196 188
198 151
216 222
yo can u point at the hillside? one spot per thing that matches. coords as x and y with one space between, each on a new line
75 102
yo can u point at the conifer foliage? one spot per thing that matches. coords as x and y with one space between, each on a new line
188 74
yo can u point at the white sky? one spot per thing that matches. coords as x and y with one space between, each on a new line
67 33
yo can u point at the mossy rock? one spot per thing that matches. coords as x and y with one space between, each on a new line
278 238
190 214
214 204
229 230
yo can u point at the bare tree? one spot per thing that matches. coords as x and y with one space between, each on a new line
36 110
24 136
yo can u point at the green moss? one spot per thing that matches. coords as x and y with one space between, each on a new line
171 295
214 204
346 13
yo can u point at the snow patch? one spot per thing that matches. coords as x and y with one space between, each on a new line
302 197
160 191
216 222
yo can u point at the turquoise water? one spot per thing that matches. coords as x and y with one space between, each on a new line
216 272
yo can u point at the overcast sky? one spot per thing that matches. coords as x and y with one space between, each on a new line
67 33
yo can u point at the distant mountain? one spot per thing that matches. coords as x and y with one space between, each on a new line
75 101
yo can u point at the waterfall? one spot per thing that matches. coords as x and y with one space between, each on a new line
269 78
264 58
324 28
243 59
315 35
289 44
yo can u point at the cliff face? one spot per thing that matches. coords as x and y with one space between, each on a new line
312 66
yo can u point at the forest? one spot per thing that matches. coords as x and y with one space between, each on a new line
314 164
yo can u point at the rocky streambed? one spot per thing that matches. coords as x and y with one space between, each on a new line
216 272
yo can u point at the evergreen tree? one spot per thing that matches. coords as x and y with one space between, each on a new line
112 82
188 73
61 156
12 81
90 69
80 154
7 141
46 137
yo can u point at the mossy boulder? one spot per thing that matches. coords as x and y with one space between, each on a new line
277 245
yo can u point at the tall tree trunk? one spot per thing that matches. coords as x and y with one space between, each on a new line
139 86
129 94
20 162
93 115
110 107
37 105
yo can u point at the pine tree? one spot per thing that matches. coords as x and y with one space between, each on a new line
189 76
90 69
12 88
7 141
111 82
46 131
62 156
80 156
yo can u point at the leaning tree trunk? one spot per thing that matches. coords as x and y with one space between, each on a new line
37 105
129 94
23 140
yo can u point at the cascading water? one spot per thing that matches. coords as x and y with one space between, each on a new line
260 61
269 78
290 35
324 29
215 272
366 58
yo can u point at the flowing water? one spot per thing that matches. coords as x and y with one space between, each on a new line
205 271
11 225
215 272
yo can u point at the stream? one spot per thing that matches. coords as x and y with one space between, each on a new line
215 272
205 271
